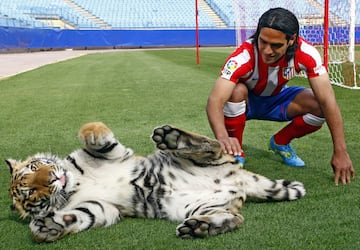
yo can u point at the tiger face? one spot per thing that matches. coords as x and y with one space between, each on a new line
37 185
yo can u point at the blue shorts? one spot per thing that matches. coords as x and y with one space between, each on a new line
272 108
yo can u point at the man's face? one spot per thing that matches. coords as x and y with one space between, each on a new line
273 44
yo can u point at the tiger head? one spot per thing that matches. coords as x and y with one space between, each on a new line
38 184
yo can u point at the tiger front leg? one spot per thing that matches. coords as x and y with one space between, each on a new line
96 136
100 141
198 148
56 225
49 228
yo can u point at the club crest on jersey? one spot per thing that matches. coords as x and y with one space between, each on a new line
288 73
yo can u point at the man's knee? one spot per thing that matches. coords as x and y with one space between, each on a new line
305 102
240 93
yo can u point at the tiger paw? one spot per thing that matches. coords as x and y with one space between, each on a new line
166 137
193 228
45 229
96 135
205 226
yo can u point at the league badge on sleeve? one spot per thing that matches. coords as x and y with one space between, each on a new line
229 68
231 65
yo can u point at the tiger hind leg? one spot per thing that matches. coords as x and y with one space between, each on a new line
198 148
204 226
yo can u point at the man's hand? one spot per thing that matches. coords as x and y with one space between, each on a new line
343 168
230 145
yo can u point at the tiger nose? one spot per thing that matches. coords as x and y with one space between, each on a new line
52 177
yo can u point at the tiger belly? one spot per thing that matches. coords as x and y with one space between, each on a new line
186 191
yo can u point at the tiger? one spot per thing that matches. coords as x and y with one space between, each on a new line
188 179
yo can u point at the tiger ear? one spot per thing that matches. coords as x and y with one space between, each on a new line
11 164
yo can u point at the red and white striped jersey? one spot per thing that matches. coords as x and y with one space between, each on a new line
246 65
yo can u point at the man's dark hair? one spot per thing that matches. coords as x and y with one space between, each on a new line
282 20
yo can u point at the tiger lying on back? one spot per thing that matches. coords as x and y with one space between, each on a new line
188 179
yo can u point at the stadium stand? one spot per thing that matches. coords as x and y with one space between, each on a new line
12 16
130 14
147 14
44 13
104 14
62 24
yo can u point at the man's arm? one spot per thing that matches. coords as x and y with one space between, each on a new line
219 95
340 161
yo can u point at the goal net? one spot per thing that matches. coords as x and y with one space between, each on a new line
329 25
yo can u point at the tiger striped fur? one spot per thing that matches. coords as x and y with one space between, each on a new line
188 179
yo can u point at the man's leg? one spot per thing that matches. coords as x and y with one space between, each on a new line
298 127
235 120
303 123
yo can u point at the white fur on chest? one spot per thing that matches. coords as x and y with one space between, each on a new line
103 180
